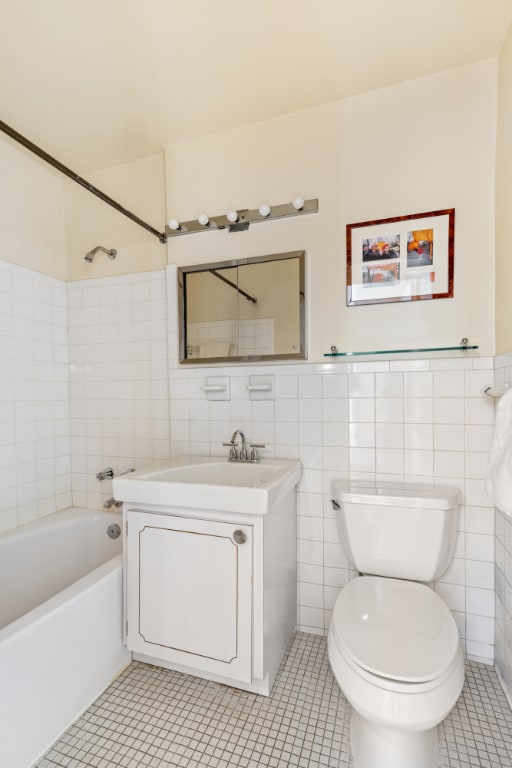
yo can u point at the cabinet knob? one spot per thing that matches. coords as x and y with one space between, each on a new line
239 537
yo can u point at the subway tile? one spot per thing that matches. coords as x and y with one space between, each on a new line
449 410
480 602
418 410
335 385
479 574
310 387
389 409
361 460
311 595
480 546
449 463
418 384
310 504
420 463
361 385
479 410
448 437
310 552
389 385
389 435
389 461
335 458
478 438
312 574
361 409
480 629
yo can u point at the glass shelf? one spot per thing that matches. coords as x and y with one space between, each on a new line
459 348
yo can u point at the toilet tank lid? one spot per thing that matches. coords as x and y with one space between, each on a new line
396 494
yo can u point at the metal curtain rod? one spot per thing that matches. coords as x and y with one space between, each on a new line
233 285
79 179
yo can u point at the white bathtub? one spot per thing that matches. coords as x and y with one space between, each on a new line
61 618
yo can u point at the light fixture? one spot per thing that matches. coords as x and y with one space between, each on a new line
238 220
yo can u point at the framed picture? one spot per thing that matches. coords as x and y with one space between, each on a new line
405 258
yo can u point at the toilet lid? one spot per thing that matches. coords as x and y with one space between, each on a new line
400 630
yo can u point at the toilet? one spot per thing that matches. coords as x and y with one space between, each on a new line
393 644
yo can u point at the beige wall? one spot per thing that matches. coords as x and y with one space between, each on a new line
422 145
139 187
504 201
32 232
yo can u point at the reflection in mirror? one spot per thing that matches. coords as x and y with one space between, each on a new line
249 309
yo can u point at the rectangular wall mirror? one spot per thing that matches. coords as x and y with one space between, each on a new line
243 310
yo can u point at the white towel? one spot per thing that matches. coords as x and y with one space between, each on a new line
499 467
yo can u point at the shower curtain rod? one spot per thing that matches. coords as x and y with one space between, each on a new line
78 179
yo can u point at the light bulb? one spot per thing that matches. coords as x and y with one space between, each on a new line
173 224
298 203
264 209
232 216
203 219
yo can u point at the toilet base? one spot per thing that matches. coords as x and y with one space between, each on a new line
375 746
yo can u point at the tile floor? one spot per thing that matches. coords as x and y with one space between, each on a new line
154 718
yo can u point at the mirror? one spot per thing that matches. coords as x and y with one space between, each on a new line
243 310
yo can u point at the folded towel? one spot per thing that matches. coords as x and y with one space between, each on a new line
499 467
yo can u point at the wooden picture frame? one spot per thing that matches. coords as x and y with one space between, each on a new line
403 258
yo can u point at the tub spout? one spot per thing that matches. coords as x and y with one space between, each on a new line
112 503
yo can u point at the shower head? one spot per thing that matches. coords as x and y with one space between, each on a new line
89 257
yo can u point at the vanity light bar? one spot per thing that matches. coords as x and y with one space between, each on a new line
238 221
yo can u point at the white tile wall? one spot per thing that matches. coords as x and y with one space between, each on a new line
424 420
421 419
119 390
34 407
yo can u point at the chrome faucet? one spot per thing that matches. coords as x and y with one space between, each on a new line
243 450
243 454
112 503
107 472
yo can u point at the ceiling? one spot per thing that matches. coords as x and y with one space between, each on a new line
98 83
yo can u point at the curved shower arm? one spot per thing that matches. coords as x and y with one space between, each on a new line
111 253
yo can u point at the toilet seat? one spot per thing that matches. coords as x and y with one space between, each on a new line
398 631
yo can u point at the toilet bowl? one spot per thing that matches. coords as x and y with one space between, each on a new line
395 652
393 644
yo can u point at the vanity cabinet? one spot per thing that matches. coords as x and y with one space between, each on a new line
193 604
211 593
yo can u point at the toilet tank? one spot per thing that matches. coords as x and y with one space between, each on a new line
400 530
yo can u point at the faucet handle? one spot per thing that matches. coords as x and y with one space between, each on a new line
233 455
254 453
107 472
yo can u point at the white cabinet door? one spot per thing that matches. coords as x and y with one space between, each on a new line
189 586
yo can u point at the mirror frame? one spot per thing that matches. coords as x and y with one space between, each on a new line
182 308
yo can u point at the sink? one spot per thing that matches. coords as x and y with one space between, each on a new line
201 482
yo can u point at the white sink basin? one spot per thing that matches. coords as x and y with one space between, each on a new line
200 482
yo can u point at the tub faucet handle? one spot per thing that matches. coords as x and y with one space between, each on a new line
112 503
107 472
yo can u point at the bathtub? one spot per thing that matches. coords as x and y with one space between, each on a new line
61 627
